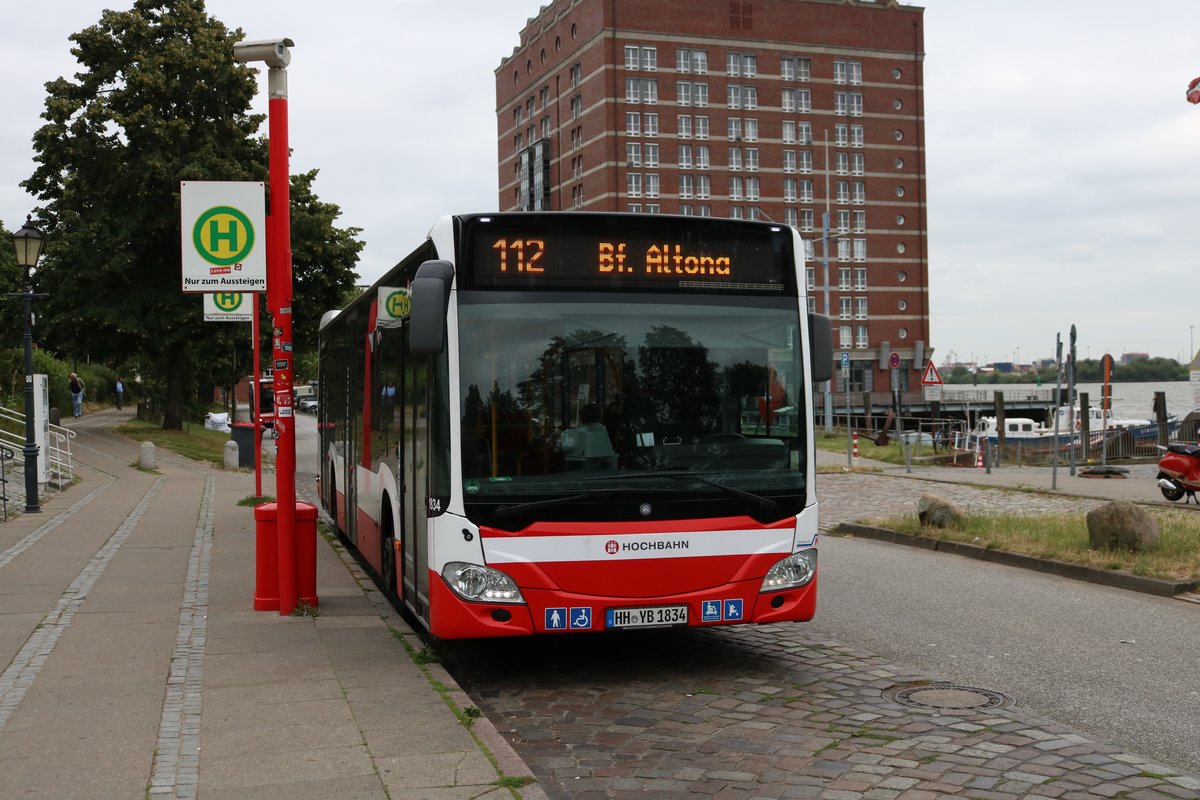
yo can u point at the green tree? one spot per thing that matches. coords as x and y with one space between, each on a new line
158 99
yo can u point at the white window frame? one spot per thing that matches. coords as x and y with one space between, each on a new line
683 126
633 184
633 154
651 154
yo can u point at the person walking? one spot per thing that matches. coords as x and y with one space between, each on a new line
119 390
77 386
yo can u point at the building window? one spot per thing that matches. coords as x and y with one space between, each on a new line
752 159
686 189
856 136
858 164
703 190
701 127
633 123
856 103
633 184
806 162
683 93
806 190
683 126
650 124
789 216
807 219
860 278
804 133
843 221
735 129
860 193
840 104
685 209
844 339
652 184
789 161
741 64
735 159
846 309
795 69
736 212
576 106
651 155
633 154
860 222
641 90
576 75
841 135
860 249
860 338
842 163
695 61
751 130
752 189
685 156
702 156
844 278
789 131
810 277
645 58
736 188
700 93
843 249
860 308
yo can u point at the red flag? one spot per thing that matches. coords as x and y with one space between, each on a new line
1193 91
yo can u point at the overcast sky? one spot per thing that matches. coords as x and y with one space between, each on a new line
1063 178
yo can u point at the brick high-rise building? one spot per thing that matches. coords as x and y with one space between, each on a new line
785 110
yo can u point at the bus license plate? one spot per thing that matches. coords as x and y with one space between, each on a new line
649 617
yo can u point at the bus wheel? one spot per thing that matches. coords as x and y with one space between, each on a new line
387 558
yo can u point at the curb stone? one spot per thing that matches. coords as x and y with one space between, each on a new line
1119 580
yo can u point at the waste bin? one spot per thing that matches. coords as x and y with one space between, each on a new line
266 573
243 434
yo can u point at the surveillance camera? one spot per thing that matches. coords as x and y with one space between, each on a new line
272 51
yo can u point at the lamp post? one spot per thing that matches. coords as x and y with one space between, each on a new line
276 55
28 244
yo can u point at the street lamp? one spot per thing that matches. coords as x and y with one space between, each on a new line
28 244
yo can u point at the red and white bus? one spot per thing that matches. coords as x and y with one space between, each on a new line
561 422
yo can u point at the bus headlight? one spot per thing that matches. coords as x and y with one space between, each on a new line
481 584
792 572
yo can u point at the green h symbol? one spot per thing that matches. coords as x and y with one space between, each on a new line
229 235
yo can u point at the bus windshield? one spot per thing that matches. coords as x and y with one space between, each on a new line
566 395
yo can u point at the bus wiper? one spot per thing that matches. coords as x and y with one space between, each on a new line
758 501
504 512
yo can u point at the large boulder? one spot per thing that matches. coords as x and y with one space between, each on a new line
935 512
1121 525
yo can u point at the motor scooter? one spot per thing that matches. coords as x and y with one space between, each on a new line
1179 471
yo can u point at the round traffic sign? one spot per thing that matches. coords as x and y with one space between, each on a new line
894 360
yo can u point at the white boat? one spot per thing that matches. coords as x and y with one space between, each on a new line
1016 428
1097 420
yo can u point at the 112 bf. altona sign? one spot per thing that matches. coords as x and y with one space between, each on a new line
223 236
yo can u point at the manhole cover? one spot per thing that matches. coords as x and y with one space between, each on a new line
949 697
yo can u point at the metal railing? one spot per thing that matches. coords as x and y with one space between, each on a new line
60 461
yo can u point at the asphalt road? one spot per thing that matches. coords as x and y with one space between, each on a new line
1118 665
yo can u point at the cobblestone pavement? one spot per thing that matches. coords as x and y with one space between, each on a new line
782 712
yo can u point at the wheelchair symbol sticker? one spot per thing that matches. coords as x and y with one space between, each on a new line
581 618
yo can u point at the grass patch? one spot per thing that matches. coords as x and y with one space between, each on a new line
891 453
250 501
200 444
1064 537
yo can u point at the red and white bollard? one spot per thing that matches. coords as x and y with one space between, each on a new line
856 449
979 453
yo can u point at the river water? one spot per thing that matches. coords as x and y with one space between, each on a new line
1130 400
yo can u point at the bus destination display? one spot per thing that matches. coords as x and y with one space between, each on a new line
511 253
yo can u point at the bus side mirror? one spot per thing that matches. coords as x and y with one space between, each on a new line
820 341
430 299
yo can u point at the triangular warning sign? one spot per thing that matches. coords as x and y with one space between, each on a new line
931 377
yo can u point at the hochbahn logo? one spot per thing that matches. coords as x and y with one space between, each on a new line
612 547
